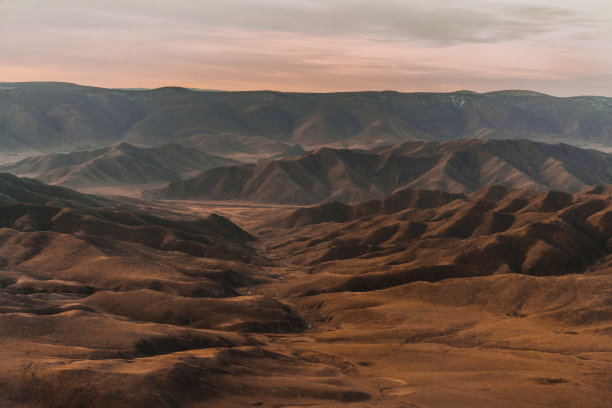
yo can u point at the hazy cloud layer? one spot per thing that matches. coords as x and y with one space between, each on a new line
561 47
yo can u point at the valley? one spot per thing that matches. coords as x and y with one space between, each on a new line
306 204
424 298
181 248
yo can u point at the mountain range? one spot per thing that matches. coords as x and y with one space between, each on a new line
420 235
64 117
351 176
120 164
367 249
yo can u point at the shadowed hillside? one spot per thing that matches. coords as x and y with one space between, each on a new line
31 206
121 164
64 117
15 190
497 298
430 235
357 175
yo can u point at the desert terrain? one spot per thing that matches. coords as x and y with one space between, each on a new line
305 204
422 299
180 248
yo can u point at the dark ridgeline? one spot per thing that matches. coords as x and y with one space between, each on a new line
351 176
62 117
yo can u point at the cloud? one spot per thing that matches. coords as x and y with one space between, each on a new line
310 45
441 21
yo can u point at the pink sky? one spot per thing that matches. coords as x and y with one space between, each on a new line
558 47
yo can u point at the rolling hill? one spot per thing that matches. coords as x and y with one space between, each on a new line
499 297
31 206
434 273
15 190
120 164
357 175
64 117
491 231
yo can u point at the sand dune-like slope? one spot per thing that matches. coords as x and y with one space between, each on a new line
120 164
423 299
355 175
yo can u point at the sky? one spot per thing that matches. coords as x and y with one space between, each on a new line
558 47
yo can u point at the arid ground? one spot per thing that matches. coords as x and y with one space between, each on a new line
499 298
362 249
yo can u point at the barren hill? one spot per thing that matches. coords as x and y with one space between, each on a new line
492 231
15 190
357 175
120 164
64 117
499 297
31 206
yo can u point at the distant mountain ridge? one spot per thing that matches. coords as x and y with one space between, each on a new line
116 165
65 117
352 176
15 190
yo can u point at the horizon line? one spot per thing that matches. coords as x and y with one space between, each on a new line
196 89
